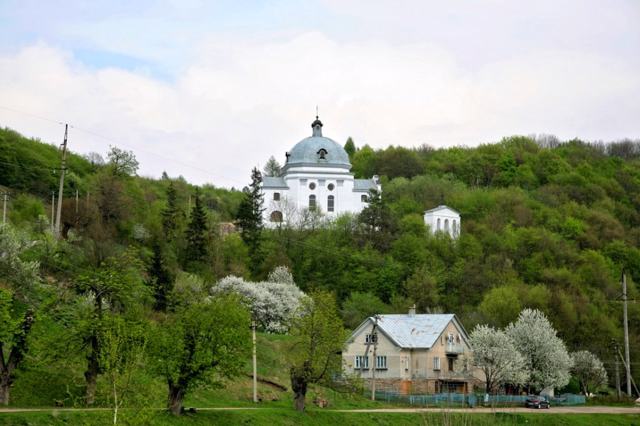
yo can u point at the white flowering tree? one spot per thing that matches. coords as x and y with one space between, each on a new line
273 303
495 353
589 371
545 354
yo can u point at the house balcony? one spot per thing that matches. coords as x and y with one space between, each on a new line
454 349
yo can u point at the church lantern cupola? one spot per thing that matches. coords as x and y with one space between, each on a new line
317 127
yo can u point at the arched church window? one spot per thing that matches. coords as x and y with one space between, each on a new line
363 198
312 186
276 216
438 226
312 202
455 227
322 154
446 225
330 203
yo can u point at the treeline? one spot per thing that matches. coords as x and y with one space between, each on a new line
547 225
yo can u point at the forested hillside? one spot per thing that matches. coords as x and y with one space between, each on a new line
545 224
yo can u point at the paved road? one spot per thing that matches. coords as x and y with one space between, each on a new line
552 410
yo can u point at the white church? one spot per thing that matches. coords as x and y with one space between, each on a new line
317 177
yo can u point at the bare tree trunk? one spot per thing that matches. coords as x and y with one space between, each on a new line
5 387
299 387
176 396
91 375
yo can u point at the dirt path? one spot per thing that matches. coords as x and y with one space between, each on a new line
553 410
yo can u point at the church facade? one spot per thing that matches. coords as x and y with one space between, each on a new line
316 178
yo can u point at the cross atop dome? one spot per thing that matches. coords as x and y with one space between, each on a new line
317 125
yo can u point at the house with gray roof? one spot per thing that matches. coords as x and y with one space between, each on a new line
317 177
412 353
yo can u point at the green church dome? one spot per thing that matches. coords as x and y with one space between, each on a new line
318 150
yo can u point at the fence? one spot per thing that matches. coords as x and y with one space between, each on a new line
471 400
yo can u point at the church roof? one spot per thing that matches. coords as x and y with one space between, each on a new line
318 150
364 185
274 182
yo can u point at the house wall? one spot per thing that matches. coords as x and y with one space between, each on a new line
412 370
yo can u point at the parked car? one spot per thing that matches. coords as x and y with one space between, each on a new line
536 401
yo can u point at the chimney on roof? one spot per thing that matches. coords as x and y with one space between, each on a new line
412 310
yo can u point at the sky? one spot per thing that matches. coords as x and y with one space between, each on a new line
208 90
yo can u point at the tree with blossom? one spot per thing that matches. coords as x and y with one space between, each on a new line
273 303
545 354
589 371
495 353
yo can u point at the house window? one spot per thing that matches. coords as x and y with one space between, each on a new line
312 202
361 362
436 363
446 225
438 226
276 196
455 227
330 187
381 362
450 339
363 198
371 338
330 203
276 216
312 186
450 363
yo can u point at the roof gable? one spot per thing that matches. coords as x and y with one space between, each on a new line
413 331
442 208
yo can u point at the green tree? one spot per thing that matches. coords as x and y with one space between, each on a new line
161 279
359 306
115 287
272 168
250 220
197 233
378 224
121 162
199 342
171 213
19 302
318 338
350 147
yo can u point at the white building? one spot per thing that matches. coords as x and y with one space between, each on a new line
315 177
443 219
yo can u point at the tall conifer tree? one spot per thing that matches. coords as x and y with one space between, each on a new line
250 220
196 233
170 213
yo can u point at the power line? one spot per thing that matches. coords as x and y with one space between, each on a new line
119 143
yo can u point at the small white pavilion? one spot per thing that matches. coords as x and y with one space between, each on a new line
443 219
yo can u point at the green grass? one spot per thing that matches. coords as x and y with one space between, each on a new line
280 416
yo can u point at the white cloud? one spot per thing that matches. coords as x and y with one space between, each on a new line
241 100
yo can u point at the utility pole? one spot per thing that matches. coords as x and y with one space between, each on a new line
618 378
626 332
4 209
255 363
62 170
53 204
374 336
